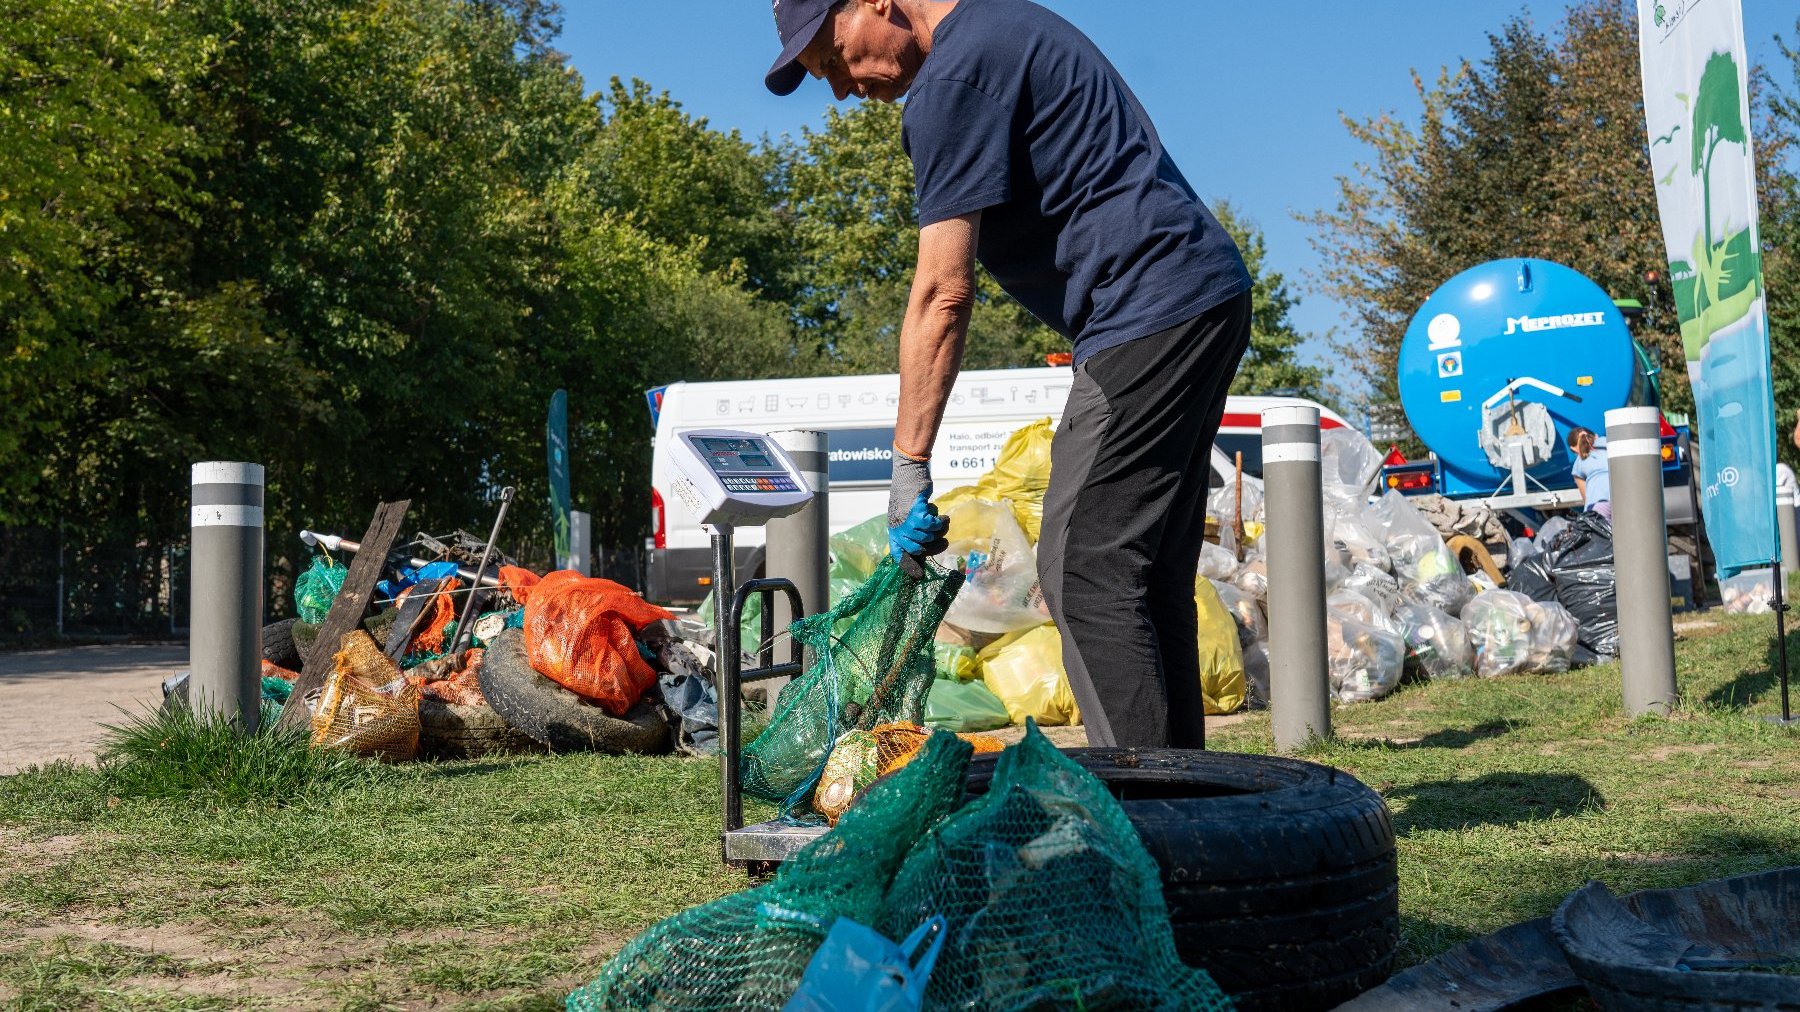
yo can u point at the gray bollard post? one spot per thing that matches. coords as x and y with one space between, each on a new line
226 593
1641 559
1790 537
581 542
1299 679
798 545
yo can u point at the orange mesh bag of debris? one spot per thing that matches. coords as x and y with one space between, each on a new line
518 582
578 633
897 744
355 714
454 679
861 757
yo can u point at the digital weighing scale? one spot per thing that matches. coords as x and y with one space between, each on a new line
730 479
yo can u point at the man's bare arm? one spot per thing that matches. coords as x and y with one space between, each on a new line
936 328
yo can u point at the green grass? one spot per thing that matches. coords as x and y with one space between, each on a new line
500 884
171 753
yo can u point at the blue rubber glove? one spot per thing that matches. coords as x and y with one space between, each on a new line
915 530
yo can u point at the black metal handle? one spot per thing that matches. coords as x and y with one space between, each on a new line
731 677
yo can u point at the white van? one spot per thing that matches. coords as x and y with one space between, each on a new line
858 412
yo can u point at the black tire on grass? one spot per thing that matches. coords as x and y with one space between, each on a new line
1280 875
448 731
554 716
279 646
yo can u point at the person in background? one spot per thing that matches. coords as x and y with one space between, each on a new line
1590 471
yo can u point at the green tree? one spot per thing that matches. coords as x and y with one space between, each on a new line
849 189
687 184
1273 361
1539 150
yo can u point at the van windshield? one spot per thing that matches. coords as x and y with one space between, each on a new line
1249 444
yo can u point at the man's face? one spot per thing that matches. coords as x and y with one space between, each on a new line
865 48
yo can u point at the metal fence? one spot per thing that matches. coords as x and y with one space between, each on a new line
58 582
66 583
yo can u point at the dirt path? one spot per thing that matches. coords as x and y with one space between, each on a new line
52 701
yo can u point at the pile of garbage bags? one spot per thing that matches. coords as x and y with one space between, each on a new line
1398 602
404 675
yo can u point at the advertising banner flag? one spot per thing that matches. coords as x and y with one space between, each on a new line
1697 109
556 443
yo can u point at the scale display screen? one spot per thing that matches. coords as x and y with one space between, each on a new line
744 465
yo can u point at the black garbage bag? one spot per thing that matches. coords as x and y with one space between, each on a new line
1581 568
1532 578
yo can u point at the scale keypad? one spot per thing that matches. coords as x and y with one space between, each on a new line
759 483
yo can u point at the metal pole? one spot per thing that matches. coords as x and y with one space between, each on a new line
798 545
1790 537
727 662
1641 560
225 600
1790 562
581 542
1299 679
465 625
61 585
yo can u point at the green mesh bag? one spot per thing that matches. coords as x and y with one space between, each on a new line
749 950
878 670
317 588
1051 899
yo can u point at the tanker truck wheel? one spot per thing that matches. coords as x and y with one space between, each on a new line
1280 876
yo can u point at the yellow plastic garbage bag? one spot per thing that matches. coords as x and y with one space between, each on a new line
1025 669
1221 655
1021 475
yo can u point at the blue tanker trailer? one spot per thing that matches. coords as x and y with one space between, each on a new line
1495 369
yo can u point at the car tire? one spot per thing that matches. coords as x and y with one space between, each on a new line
450 731
552 715
279 647
1280 876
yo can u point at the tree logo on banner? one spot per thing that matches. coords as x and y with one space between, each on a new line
1721 280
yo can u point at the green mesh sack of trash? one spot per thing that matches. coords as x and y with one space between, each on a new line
317 588
749 950
1050 897
876 669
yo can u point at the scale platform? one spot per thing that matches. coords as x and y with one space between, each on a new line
769 842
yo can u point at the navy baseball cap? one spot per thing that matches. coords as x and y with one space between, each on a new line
797 21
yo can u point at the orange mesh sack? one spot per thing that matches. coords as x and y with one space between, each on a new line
578 633
355 714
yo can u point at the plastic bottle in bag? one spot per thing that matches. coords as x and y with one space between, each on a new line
1500 632
1365 662
1243 608
1553 635
1437 643
1001 593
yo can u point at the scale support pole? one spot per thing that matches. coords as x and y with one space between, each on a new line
1641 554
727 662
225 601
798 549
1299 681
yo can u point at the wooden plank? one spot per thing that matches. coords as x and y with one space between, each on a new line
347 611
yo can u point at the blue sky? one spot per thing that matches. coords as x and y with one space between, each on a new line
1247 95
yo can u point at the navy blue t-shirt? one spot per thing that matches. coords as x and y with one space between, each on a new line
1086 220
